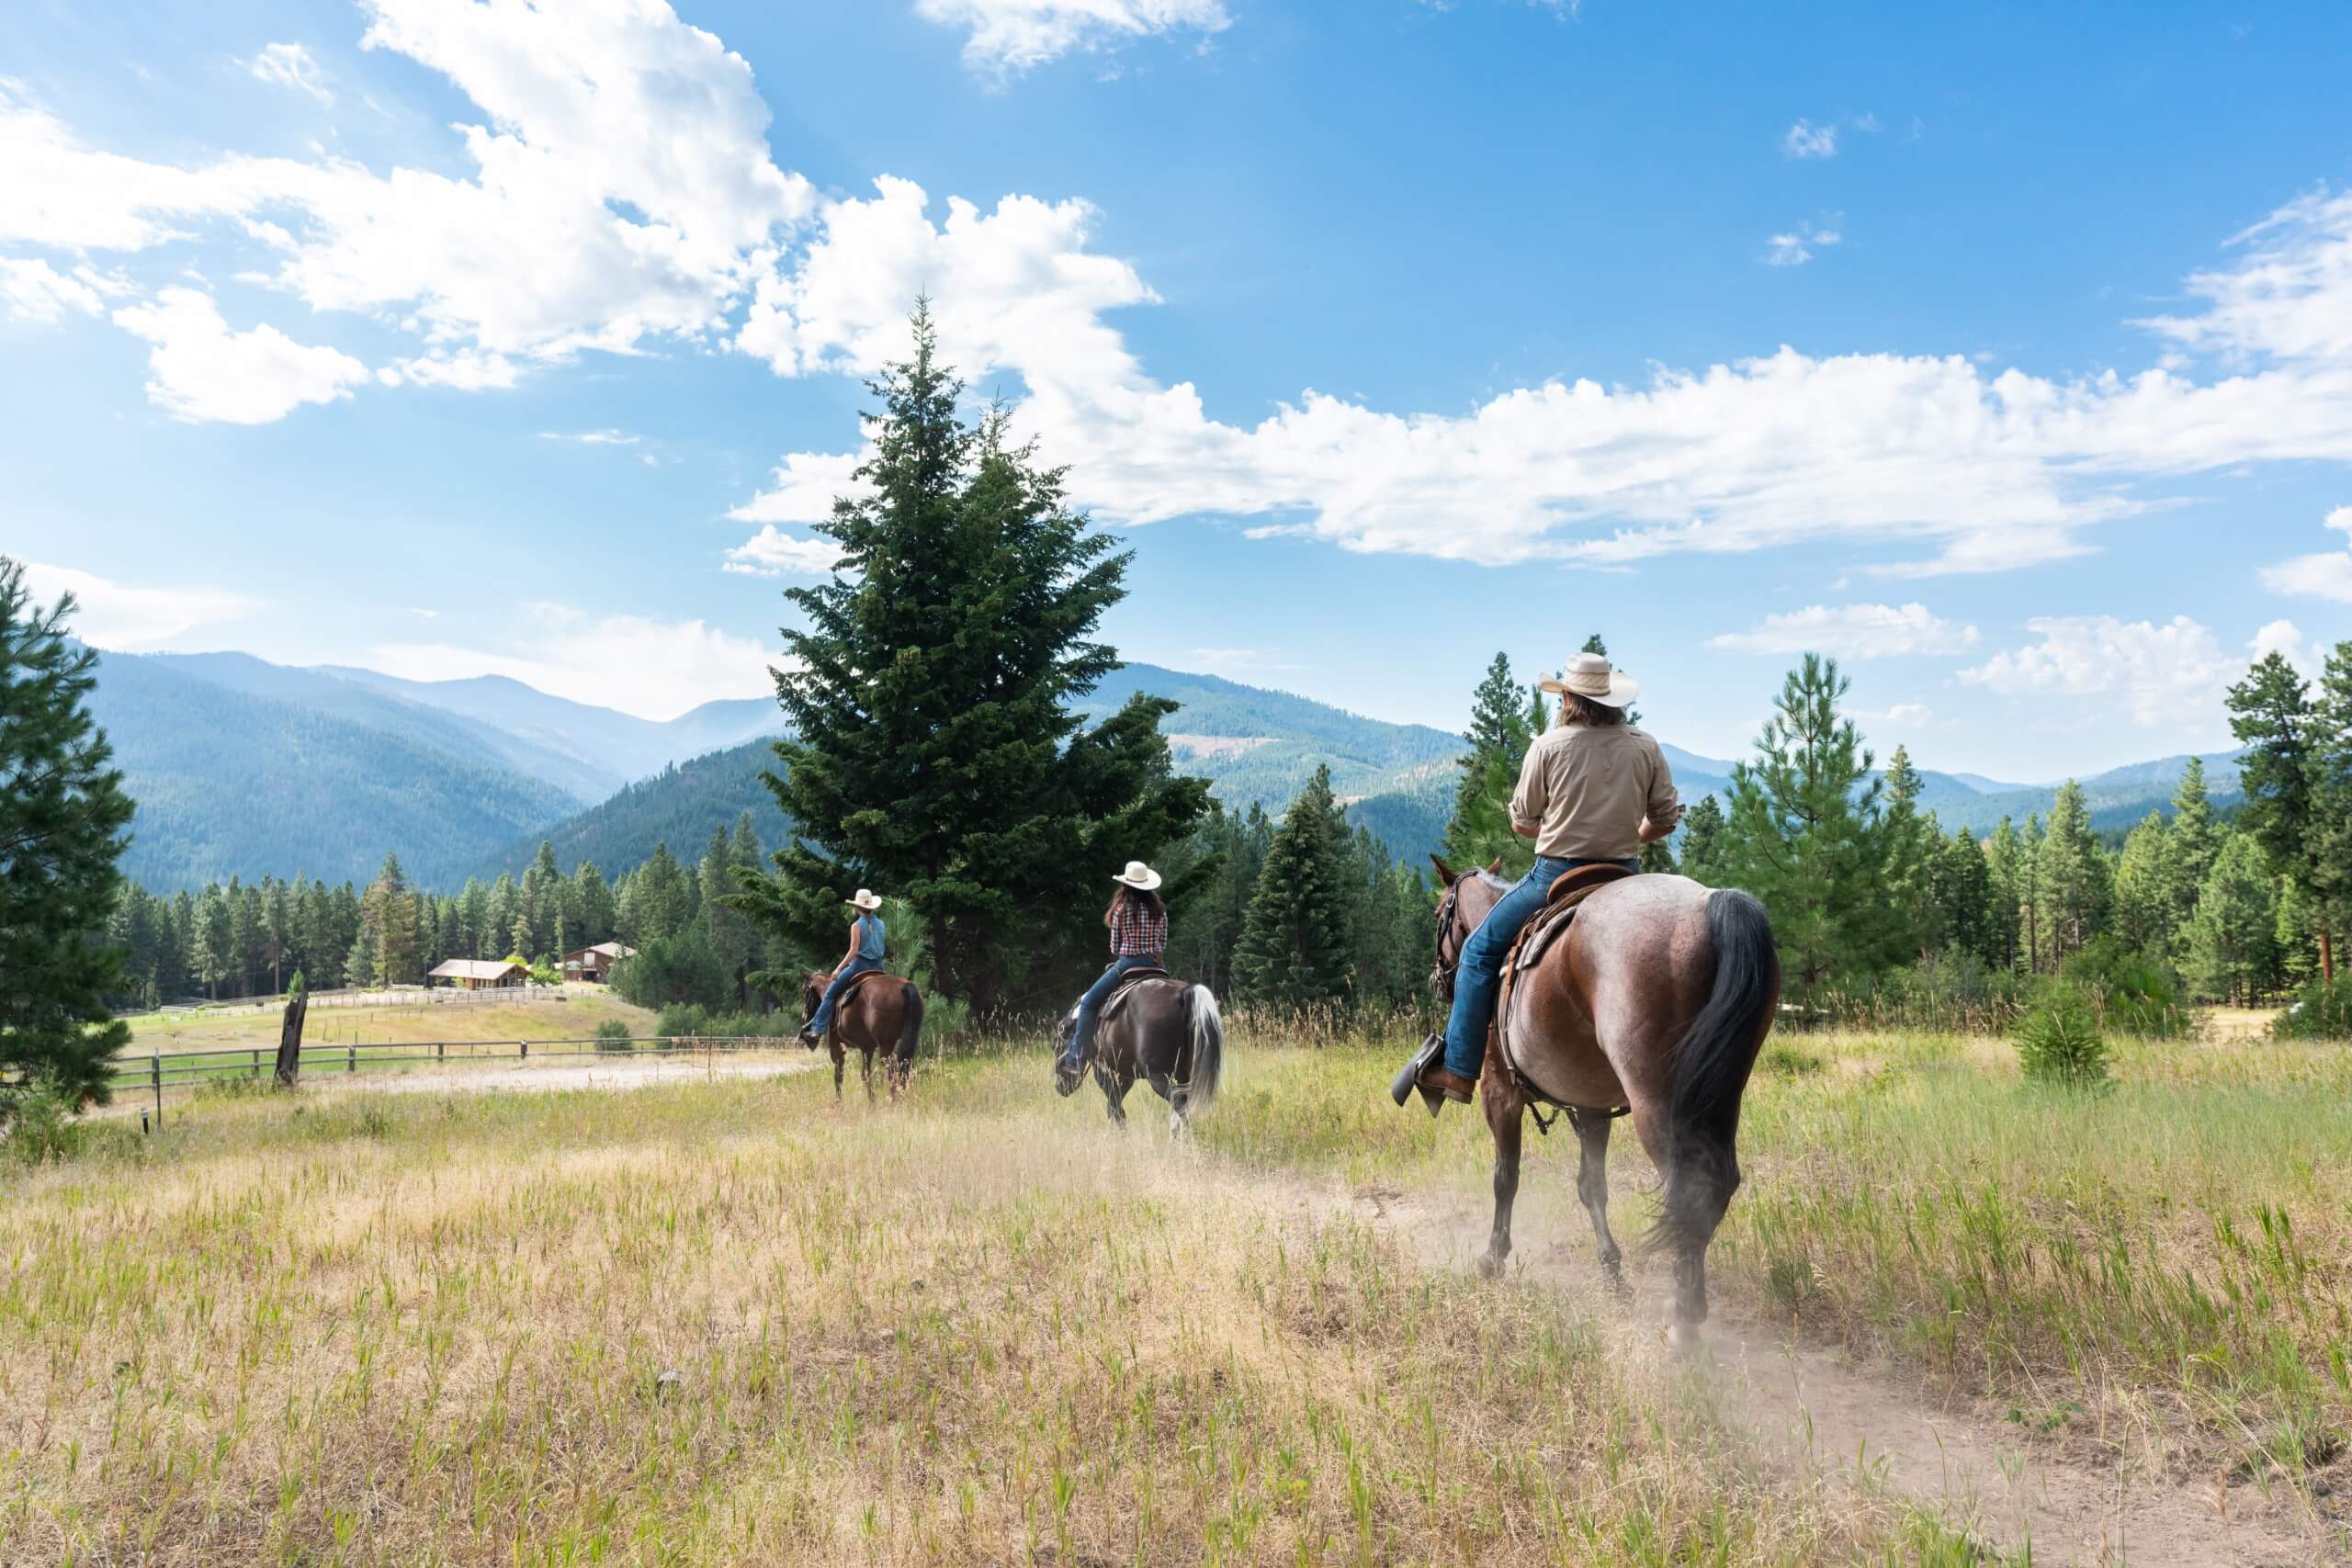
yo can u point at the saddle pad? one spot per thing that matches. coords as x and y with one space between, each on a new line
1129 982
1536 939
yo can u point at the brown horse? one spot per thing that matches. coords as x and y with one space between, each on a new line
1654 1005
1162 1030
878 1012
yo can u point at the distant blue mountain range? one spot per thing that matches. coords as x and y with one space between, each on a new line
244 767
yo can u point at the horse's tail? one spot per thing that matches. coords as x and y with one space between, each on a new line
909 1024
1208 1046
1711 1066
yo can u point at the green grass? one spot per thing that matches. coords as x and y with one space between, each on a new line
733 1323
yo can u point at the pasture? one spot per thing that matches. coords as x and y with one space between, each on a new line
727 1321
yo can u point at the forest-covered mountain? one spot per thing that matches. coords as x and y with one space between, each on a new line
229 782
242 767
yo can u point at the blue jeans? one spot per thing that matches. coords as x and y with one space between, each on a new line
1099 992
1478 978
823 1022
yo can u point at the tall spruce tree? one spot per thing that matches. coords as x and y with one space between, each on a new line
1908 844
2233 939
62 817
1294 950
1806 834
1500 732
1702 841
937 753
2143 887
2005 857
2076 883
2191 842
2330 904
1960 882
2282 775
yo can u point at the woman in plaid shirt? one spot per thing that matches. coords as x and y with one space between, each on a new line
1138 925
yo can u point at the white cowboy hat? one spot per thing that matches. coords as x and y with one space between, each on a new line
1589 676
1139 876
866 900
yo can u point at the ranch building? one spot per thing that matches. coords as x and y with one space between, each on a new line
479 974
595 963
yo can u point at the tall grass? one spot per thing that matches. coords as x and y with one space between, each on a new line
729 1324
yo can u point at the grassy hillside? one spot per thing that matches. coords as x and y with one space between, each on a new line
231 783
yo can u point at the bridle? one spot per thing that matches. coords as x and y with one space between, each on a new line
1448 961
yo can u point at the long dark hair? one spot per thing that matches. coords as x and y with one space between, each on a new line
1575 709
1152 907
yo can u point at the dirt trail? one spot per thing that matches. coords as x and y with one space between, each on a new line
1871 1426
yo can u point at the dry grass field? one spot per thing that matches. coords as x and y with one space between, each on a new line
729 1321
570 1013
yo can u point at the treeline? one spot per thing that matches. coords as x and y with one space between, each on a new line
1871 898
251 938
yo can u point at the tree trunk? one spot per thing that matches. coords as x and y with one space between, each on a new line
290 1041
2326 957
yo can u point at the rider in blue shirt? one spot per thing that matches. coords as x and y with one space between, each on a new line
864 956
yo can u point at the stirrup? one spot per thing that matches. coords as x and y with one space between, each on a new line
1406 1082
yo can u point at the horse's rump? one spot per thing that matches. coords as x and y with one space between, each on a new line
1537 939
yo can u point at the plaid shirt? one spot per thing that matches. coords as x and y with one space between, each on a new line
1136 932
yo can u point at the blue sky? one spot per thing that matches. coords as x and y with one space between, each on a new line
2006 354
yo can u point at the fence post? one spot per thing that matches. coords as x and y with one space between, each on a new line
527 1049
351 1059
155 1069
440 1050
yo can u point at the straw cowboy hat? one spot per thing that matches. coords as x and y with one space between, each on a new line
1589 676
1139 876
866 900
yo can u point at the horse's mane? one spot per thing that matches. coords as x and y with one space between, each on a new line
1491 880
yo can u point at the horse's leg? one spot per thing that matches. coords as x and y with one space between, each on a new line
865 1070
1592 1188
1114 1089
1505 1113
840 1060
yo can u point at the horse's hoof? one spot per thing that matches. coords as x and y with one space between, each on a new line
1685 1339
1176 1124
1491 1266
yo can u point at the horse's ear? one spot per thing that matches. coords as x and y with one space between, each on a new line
1494 865
1445 875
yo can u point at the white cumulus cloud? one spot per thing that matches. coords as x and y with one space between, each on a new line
2168 673
656 670
127 616
1014 35
200 369
1853 631
1808 141
2327 574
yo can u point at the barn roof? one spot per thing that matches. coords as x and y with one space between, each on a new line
473 969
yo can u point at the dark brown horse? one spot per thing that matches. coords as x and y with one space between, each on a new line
1162 1030
878 1012
1655 1006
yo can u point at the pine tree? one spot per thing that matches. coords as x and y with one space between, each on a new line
1295 948
2233 939
1909 843
389 919
1499 736
1702 841
1960 881
2004 865
658 889
2283 775
593 901
1805 833
2076 883
937 750
216 947
62 816
2297 932
2331 875
2193 841
2143 887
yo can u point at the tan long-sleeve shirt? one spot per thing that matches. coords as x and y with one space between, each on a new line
1583 791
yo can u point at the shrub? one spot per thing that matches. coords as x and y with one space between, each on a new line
681 968
2318 1011
612 1034
2134 992
2059 1041
1947 993
40 1125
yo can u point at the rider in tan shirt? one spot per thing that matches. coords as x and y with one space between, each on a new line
1593 789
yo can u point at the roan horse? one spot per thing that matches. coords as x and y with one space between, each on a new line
1654 1005
878 1012
1160 1030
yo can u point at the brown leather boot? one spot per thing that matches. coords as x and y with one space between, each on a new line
1425 1072
1452 1085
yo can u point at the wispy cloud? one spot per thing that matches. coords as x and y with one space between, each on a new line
1805 140
1009 36
653 669
2324 575
131 617
1853 631
1799 247
290 65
